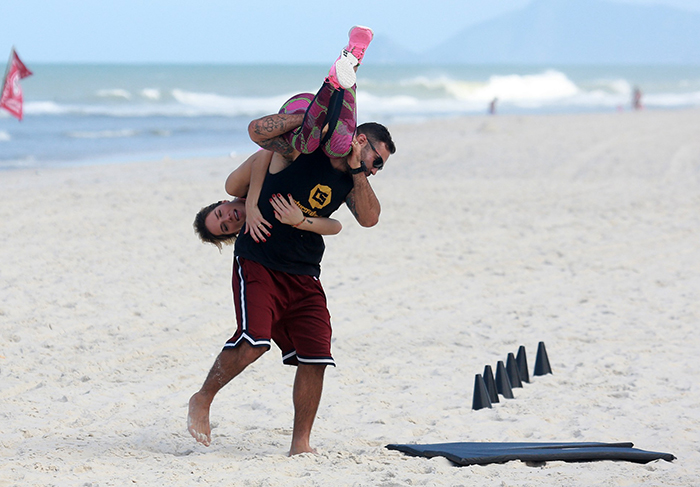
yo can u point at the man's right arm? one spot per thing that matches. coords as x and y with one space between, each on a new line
361 200
267 131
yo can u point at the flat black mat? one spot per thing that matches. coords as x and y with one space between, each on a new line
485 453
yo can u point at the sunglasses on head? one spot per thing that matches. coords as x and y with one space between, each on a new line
378 162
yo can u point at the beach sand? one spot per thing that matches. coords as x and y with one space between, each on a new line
582 231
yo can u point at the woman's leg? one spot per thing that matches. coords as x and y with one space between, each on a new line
331 108
342 121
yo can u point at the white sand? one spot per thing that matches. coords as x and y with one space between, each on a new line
582 231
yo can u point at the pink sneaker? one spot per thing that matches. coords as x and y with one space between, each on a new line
342 74
359 38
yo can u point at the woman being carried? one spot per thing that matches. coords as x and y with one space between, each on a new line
304 123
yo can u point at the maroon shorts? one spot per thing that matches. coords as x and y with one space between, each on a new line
287 308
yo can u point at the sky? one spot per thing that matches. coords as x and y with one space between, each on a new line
234 31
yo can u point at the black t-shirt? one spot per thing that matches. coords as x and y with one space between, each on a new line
319 190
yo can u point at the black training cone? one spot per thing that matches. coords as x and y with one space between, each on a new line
513 374
542 361
490 384
521 359
503 382
481 395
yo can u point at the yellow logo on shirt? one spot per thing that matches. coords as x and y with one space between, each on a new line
320 196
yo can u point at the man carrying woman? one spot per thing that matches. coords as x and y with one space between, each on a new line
320 160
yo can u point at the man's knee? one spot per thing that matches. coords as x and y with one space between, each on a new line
249 353
312 369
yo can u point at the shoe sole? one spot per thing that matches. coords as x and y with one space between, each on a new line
345 72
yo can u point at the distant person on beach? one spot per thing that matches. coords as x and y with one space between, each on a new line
637 99
492 106
277 294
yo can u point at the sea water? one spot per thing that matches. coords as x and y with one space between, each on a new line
91 114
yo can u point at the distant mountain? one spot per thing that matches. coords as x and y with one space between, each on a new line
577 32
386 51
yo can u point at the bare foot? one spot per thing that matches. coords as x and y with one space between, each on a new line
302 449
198 420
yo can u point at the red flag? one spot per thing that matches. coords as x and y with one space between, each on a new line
11 99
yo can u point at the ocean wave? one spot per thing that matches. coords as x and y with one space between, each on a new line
421 96
618 86
182 104
116 134
114 93
102 134
151 93
376 106
119 93
439 83
214 104
45 108
550 84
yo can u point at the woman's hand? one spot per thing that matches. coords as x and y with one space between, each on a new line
255 224
286 211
